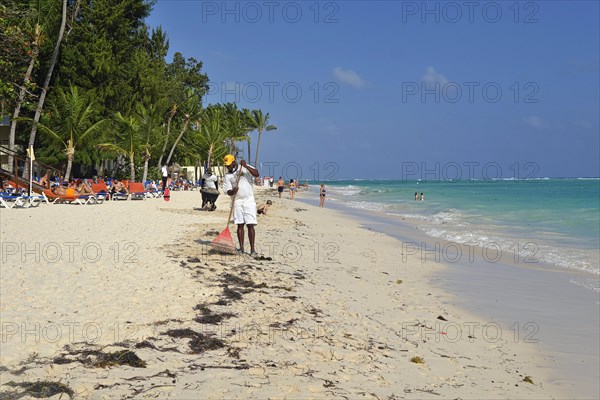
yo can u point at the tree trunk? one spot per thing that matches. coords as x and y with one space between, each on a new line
145 175
162 153
210 150
102 169
69 165
131 168
248 142
185 125
13 123
40 106
257 149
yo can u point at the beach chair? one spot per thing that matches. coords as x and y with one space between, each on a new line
120 196
30 201
100 191
137 191
57 199
9 200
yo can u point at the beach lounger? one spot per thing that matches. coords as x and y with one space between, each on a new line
9 200
120 196
100 191
30 201
57 199
137 191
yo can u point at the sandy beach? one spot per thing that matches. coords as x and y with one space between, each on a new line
127 300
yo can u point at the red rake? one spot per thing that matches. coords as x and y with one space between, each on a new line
224 242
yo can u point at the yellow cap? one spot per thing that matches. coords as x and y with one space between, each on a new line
228 160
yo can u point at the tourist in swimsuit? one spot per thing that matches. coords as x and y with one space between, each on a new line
292 189
280 186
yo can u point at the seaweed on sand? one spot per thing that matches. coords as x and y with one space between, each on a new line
231 294
123 357
213 318
39 390
199 343
203 343
230 279
181 333
203 309
528 379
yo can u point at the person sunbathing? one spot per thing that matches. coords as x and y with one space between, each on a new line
59 190
118 187
45 180
83 188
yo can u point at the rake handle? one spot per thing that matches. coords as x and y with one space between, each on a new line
237 184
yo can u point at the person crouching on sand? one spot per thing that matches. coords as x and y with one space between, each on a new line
263 208
244 206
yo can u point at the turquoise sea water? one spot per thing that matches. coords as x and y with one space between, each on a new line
553 221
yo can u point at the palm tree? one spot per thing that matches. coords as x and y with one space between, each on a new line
71 122
126 141
148 126
192 110
213 131
169 119
42 98
258 120
37 36
236 125
247 130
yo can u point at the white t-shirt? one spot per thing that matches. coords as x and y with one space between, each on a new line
245 189
164 171
211 181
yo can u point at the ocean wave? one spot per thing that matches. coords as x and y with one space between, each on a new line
522 250
369 205
349 190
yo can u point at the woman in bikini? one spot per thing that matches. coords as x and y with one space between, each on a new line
292 189
322 195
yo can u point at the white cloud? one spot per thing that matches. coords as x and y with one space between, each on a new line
432 77
533 121
349 76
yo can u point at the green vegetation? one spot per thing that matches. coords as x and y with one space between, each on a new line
95 81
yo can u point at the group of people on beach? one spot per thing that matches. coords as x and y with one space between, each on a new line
293 186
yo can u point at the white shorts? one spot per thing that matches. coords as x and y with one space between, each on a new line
244 213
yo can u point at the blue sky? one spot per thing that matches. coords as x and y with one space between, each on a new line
393 90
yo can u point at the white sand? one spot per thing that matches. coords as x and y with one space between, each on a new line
339 312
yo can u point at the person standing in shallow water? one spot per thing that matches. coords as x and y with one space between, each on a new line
416 196
322 196
422 196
